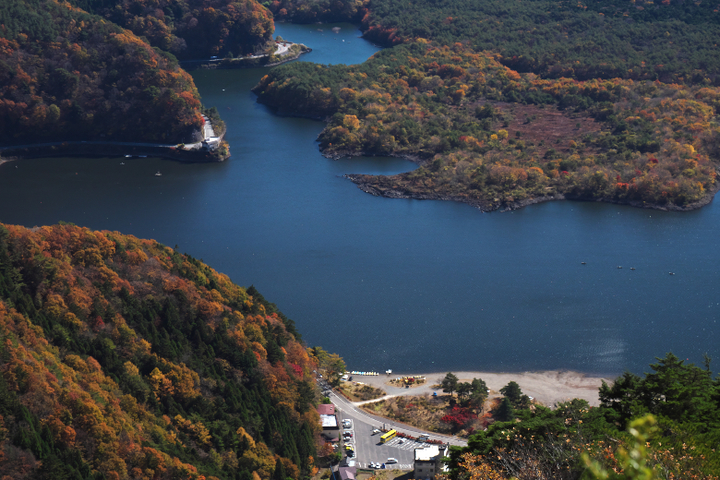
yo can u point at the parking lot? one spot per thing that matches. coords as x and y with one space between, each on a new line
368 449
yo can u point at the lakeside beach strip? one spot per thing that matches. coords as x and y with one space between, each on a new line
546 387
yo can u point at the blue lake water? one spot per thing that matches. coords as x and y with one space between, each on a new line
415 286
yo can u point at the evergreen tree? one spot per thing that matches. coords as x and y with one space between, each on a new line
513 393
505 411
449 384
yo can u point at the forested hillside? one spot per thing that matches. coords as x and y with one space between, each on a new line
490 137
121 358
668 40
69 75
509 103
318 10
191 28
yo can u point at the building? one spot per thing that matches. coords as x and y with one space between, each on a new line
328 420
347 473
428 461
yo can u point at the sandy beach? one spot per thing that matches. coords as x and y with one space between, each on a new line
548 387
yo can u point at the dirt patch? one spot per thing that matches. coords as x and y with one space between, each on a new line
546 127
360 392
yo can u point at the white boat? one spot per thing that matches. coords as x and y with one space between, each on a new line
158 174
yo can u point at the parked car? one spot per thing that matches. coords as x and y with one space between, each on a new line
391 460
347 434
375 431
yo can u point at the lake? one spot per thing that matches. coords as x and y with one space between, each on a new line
408 285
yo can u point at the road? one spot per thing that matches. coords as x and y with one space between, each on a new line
89 142
368 447
207 131
208 136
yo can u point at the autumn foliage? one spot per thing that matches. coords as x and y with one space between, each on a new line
68 75
120 357
582 39
194 28
486 135
458 417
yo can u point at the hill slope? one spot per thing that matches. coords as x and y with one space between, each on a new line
191 28
69 75
121 358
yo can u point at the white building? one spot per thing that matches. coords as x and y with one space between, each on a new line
428 461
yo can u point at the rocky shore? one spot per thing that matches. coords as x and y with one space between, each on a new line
485 206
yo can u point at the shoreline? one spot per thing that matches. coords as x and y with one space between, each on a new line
108 149
396 191
483 206
548 387
248 62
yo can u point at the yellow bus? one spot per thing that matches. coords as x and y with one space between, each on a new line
387 436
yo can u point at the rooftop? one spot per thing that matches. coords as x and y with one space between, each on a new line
428 453
328 421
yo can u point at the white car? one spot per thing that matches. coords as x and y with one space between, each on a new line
391 460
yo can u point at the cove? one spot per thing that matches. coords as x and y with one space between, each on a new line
415 286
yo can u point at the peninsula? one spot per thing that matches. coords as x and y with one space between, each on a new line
486 135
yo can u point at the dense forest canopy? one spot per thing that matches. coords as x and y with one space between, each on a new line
318 10
69 75
668 40
486 135
121 358
192 28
